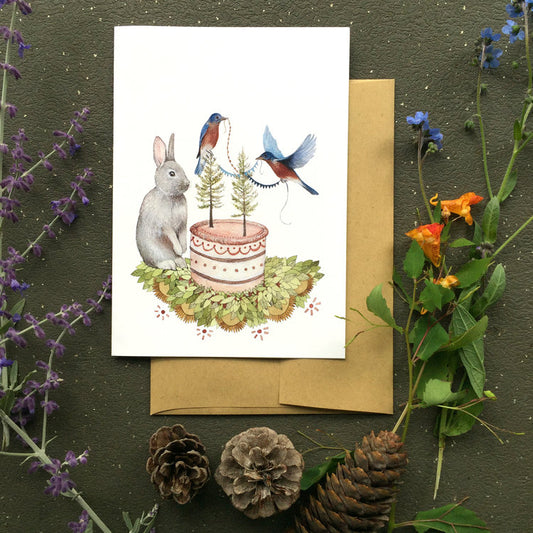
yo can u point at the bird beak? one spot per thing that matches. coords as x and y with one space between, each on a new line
223 118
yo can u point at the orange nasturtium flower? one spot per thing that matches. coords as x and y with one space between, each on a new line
448 282
460 206
428 237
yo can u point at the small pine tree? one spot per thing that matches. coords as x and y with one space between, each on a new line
244 194
211 187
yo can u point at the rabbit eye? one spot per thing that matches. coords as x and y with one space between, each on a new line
172 173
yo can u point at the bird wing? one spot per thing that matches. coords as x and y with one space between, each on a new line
202 133
271 145
303 154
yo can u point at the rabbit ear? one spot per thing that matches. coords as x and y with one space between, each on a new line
159 151
170 153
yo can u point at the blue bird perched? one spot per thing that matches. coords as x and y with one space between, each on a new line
208 139
283 166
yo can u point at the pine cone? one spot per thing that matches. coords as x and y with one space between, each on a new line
177 464
359 496
260 471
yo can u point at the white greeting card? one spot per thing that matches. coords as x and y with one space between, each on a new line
229 192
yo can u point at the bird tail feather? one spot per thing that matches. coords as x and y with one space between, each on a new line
307 187
200 166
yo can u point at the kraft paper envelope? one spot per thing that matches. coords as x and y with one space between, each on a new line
361 382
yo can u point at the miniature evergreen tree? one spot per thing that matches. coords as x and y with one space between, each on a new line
244 194
211 187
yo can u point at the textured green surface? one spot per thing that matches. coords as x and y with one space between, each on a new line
426 46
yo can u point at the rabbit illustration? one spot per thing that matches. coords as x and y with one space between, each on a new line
162 222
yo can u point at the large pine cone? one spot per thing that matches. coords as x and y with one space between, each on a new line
261 471
359 496
177 464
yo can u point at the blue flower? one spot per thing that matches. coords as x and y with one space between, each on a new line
435 136
490 57
514 31
420 119
514 10
488 36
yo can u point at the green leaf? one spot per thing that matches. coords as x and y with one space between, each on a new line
460 422
517 131
459 243
491 217
376 304
438 392
18 307
469 336
414 261
313 475
452 518
435 296
472 355
127 519
472 271
493 292
427 337
508 186
441 366
478 234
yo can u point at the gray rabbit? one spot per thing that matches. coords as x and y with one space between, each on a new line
162 222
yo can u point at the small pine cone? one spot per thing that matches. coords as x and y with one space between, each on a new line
359 495
260 471
177 464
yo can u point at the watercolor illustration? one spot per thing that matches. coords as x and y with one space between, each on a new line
228 281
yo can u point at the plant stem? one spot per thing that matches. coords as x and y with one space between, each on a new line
515 234
482 129
3 98
420 161
40 454
440 457
525 9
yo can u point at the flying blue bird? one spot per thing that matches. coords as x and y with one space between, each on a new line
283 166
208 139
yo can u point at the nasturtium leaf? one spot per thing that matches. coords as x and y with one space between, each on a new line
459 243
460 422
470 335
478 234
427 337
376 303
414 260
472 271
491 217
492 293
313 475
508 187
435 296
437 392
452 518
472 355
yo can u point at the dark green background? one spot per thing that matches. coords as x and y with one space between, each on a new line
426 46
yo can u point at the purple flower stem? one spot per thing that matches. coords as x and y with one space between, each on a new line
43 457
3 97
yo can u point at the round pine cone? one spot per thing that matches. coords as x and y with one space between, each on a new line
177 464
260 471
359 495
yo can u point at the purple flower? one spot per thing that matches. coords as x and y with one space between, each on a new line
19 287
70 459
13 335
59 484
48 230
49 406
4 361
36 249
42 365
515 32
81 525
11 70
56 346
23 47
44 161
